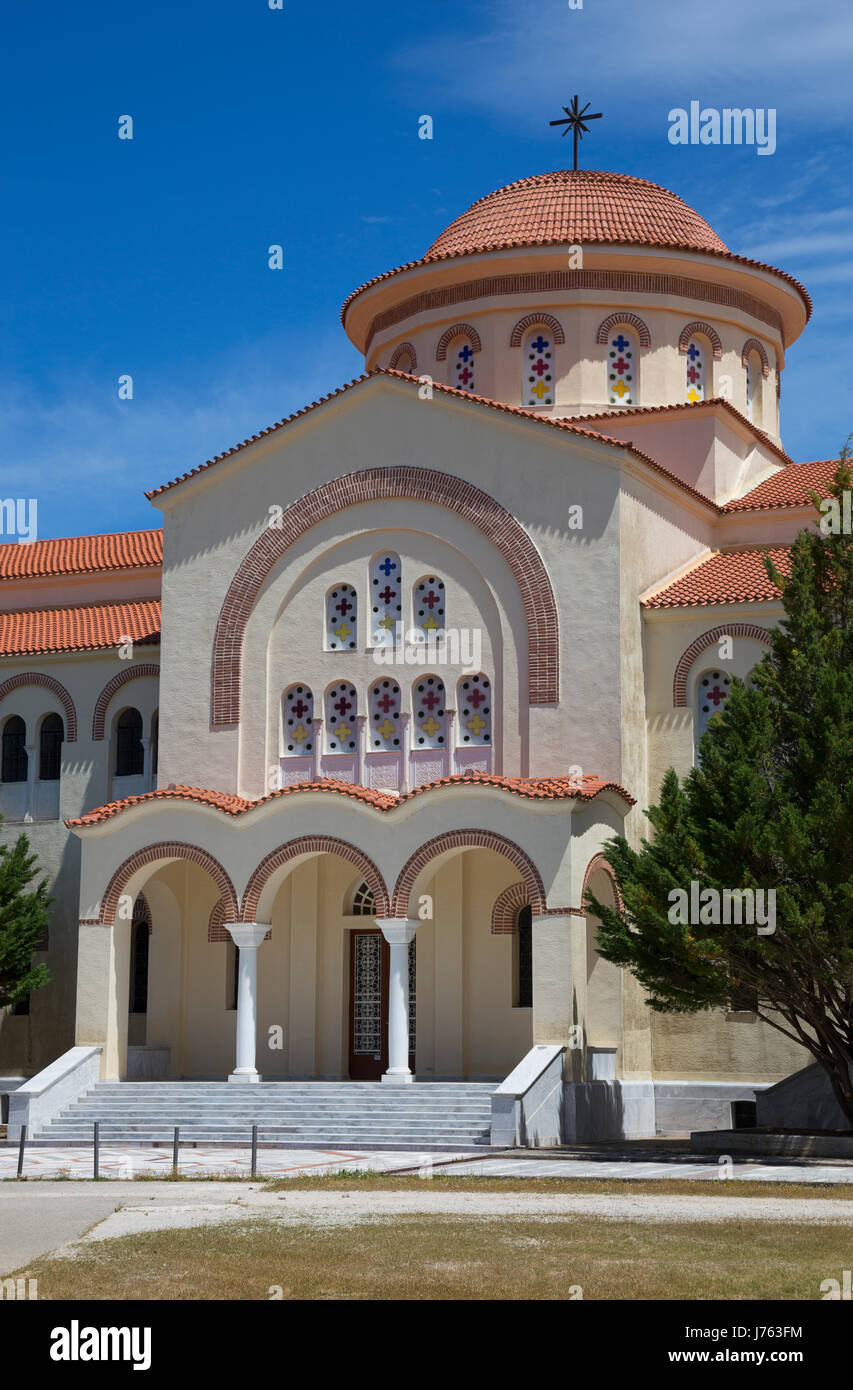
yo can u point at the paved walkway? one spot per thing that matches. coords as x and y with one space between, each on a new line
642 1161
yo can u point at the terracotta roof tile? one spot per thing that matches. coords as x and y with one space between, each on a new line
534 788
116 550
88 627
576 427
571 207
790 487
730 576
577 205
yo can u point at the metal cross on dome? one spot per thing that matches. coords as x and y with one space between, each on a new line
575 121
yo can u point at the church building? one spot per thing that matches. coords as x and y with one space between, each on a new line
321 765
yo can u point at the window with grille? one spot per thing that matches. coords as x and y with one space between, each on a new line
50 748
130 754
14 759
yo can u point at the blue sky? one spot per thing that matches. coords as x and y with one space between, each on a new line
299 126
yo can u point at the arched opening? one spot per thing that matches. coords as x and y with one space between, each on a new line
754 384
14 760
522 959
538 369
129 750
341 618
712 691
698 371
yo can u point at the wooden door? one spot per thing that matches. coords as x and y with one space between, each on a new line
368 1014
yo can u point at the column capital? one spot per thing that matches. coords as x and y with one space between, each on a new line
398 931
247 934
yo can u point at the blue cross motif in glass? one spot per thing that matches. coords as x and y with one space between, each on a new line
540 344
387 566
693 352
465 352
621 343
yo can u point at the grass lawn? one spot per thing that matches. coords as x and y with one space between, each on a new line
448 1257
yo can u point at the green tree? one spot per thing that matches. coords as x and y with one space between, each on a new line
23 918
769 806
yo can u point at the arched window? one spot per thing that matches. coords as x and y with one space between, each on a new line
697 359
386 581
341 711
538 368
461 355
429 713
155 741
428 606
140 932
712 691
341 619
754 378
130 755
298 721
50 747
384 701
523 959
363 901
623 356
14 759
404 361
474 703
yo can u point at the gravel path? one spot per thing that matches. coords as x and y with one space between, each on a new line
321 1209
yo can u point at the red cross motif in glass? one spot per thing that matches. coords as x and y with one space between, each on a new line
343 607
476 698
386 704
717 696
300 708
388 593
430 700
343 705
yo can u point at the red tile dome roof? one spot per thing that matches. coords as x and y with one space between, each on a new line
577 206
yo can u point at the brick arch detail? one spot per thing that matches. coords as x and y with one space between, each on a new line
313 844
632 320
596 863
55 687
216 928
755 345
377 484
458 330
398 353
146 668
533 321
710 333
468 839
506 909
167 849
700 644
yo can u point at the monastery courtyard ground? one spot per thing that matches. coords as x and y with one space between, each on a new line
604 1222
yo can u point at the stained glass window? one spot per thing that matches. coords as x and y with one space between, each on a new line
298 715
428 606
384 702
538 360
15 750
341 711
462 358
386 579
50 748
695 382
622 357
474 703
429 715
712 691
130 754
341 618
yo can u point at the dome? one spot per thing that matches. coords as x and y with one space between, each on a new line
577 206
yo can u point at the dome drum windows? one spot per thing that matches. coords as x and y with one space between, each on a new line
622 367
695 385
538 383
342 619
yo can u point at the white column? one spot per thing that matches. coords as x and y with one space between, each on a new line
146 763
398 932
406 730
247 937
451 742
317 730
